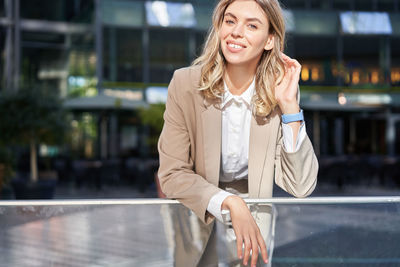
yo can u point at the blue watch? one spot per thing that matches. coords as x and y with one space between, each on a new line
287 118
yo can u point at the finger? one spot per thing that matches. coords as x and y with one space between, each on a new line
254 251
247 248
263 248
284 56
239 246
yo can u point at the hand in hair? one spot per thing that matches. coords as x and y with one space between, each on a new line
246 230
286 90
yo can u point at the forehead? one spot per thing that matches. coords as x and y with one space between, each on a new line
244 9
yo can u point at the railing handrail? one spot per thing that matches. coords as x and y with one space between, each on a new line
158 201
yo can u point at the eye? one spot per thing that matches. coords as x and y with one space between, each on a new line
252 26
229 21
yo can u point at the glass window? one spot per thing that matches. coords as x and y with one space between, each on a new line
395 22
361 60
365 23
341 4
167 14
122 13
386 5
122 55
203 16
62 62
315 22
58 10
2 57
293 4
168 51
2 9
317 57
395 58
200 39
321 4
363 5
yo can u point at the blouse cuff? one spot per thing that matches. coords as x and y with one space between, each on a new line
214 206
288 137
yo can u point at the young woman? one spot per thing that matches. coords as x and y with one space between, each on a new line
233 124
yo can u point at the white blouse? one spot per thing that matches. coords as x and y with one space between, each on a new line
236 120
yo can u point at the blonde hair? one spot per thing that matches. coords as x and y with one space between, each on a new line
270 69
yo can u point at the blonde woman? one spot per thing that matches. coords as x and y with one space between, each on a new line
233 124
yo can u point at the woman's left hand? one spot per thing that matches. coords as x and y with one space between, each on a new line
286 91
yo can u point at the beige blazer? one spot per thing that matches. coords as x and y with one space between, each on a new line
190 150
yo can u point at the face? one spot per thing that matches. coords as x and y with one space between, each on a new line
244 33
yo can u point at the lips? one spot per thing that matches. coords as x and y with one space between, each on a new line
235 47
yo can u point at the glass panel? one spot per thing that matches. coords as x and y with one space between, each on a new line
315 55
395 21
289 20
2 8
122 13
168 51
365 23
313 22
361 62
166 14
65 63
58 10
342 4
395 71
122 55
386 5
203 16
44 61
294 4
321 232
2 58
363 5
321 4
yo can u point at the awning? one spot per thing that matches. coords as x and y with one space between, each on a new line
103 102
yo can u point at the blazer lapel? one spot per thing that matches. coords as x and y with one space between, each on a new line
212 142
258 147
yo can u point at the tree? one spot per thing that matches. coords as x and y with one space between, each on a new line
31 116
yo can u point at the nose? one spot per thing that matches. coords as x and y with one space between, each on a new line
237 31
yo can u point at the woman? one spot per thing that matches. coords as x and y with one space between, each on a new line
233 121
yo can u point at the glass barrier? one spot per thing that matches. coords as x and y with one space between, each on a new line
154 232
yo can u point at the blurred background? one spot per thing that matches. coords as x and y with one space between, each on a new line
83 86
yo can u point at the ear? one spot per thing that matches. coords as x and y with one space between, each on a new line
270 42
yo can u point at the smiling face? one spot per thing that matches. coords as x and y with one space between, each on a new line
244 33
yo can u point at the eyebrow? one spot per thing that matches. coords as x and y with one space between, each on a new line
248 19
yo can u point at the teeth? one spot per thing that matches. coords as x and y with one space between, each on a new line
235 46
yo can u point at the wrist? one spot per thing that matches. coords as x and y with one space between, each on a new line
290 108
229 201
293 117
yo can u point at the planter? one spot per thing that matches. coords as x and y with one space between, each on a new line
42 189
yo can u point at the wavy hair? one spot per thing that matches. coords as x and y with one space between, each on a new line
270 69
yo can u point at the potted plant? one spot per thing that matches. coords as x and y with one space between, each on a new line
29 117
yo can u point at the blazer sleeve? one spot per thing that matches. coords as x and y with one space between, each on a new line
296 173
176 172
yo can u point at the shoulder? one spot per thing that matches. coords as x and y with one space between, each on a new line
188 77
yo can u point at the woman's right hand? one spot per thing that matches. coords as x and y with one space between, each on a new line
246 230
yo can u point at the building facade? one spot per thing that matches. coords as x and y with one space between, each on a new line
109 52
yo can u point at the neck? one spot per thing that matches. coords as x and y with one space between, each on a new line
238 78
